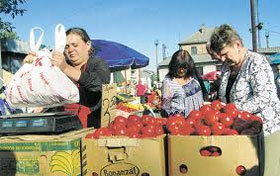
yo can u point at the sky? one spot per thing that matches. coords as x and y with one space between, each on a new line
138 23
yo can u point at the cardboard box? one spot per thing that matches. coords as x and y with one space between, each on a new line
42 155
235 150
124 156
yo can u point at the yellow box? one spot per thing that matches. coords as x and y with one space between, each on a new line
42 155
124 156
235 150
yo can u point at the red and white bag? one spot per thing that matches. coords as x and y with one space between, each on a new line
40 83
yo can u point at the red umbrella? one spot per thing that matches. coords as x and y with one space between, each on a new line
211 76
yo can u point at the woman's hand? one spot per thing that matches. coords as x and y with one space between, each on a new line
58 59
29 58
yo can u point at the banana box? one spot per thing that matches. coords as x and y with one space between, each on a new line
233 155
42 155
124 156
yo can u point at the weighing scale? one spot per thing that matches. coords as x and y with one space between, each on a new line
39 123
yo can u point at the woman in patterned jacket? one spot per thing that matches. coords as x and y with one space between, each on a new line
182 88
248 81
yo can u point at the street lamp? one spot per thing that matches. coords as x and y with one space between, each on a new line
156 44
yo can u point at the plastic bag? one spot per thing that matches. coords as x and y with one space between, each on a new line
40 83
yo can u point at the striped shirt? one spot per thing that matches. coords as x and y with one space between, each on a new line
181 99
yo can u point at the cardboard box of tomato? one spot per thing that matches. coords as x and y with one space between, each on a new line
236 155
108 156
216 140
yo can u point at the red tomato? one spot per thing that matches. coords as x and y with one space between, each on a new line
205 109
231 110
134 118
225 119
205 152
244 115
102 132
186 130
217 128
158 130
90 136
147 120
137 124
134 134
195 114
114 126
133 128
215 154
160 121
256 118
120 132
148 131
190 121
120 119
211 118
203 130
240 170
216 105
174 130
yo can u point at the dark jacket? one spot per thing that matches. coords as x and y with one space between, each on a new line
93 74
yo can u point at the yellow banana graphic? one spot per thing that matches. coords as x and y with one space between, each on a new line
58 164
76 159
66 161
58 168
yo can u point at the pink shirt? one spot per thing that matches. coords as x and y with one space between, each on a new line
141 89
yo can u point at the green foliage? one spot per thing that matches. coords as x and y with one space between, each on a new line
10 7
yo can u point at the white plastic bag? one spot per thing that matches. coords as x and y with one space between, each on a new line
40 83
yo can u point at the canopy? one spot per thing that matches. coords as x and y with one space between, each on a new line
275 58
211 76
119 56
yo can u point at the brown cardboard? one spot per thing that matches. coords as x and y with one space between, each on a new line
236 150
124 156
42 155
108 107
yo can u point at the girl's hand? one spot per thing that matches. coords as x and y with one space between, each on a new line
29 58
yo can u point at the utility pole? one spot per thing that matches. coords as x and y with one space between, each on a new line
258 22
156 44
267 36
253 25
163 51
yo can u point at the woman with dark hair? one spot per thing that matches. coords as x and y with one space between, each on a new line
181 92
88 72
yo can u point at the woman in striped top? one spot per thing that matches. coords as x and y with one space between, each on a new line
181 92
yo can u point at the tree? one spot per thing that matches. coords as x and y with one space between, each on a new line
9 7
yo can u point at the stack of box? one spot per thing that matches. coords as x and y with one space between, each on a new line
55 155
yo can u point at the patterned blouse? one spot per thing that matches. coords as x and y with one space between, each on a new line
181 99
254 90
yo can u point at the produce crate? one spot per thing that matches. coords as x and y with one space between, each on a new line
184 157
124 156
42 155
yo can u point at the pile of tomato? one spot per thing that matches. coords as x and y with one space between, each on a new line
134 127
215 119
211 119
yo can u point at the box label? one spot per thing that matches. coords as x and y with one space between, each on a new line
116 169
40 146
11 166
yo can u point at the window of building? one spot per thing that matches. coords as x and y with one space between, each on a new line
193 50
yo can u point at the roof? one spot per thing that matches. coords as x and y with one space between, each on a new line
201 58
270 50
16 46
201 36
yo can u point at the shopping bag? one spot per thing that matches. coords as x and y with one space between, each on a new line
40 83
